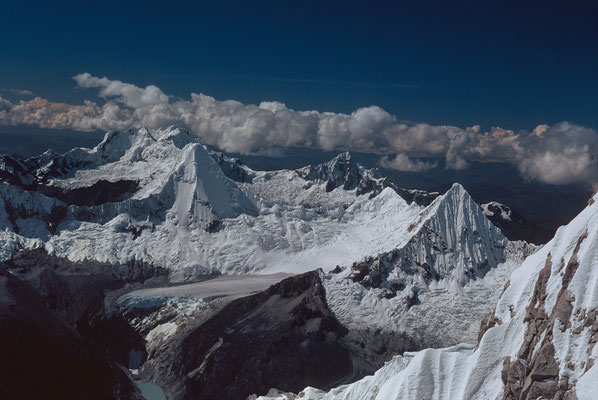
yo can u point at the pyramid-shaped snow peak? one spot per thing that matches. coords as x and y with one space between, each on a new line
203 194
451 240
455 238
538 342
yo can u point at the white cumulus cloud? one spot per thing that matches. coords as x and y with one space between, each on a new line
558 154
127 93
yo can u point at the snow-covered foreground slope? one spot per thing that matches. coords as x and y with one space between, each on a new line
538 342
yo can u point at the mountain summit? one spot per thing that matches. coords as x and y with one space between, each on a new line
538 342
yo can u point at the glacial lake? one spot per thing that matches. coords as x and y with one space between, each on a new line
151 391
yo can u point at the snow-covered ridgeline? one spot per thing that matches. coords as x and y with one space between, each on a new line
435 283
539 341
178 208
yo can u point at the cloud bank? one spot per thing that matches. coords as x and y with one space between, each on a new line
559 154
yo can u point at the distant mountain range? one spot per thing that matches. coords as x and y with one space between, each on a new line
184 267
544 207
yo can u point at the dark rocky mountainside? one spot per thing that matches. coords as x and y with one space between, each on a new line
513 225
285 337
76 293
45 358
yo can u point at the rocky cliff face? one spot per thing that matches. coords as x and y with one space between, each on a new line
535 372
76 292
43 357
282 337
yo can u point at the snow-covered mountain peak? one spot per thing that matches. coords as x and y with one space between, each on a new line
180 137
538 342
450 241
203 194
344 156
117 142
342 172
135 139
457 211
164 189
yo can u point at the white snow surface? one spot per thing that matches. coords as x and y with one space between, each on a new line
465 372
192 218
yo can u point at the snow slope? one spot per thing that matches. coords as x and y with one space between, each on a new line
437 280
538 342
161 197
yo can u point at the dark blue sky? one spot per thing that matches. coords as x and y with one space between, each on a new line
509 64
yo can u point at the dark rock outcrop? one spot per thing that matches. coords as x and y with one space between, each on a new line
34 175
343 172
513 225
284 337
76 293
535 374
232 167
101 192
45 358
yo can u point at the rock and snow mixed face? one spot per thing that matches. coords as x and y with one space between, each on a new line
422 268
538 342
436 283
498 210
513 225
195 211
161 197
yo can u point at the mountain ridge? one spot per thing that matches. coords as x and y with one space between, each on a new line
538 342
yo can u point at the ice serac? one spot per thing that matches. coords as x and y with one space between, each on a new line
538 342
